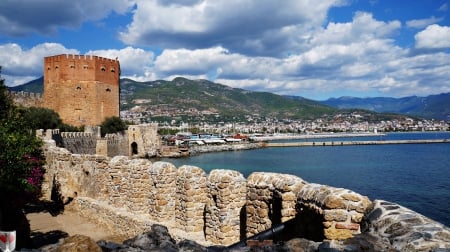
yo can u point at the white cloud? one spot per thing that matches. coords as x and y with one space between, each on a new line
24 17
133 61
443 7
422 23
285 48
16 60
236 25
433 37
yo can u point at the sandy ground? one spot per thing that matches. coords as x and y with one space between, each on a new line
48 229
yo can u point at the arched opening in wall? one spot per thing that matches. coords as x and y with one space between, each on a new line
309 223
275 206
134 148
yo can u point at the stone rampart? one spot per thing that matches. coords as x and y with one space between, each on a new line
80 142
340 210
26 99
129 195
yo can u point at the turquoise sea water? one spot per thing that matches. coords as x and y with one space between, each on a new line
416 176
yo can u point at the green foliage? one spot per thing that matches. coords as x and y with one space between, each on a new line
21 156
112 125
44 118
41 118
6 103
232 104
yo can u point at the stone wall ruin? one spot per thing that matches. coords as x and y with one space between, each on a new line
128 195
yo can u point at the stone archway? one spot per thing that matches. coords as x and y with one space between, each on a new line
134 148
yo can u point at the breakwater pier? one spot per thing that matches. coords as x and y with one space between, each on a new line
346 143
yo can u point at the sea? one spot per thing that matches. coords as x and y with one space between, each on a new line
416 176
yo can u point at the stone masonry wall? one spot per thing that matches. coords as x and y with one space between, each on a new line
79 142
271 199
190 198
223 212
26 99
128 195
340 210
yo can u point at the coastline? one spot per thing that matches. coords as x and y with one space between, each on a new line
274 137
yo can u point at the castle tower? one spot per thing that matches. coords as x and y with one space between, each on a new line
83 90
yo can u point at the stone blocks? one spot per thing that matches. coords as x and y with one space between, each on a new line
129 195
340 210
227 197
271 200
191 198
162 198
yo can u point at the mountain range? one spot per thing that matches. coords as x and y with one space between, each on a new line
430 107
182 93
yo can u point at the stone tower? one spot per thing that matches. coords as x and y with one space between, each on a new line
83 90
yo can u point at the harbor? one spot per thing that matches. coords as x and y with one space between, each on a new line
346 143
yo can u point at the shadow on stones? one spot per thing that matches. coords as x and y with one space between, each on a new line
54 207
309 224
40 239
57 199
243 223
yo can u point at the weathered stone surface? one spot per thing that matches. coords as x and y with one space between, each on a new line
339 208
128 196
405 229
78 243
338 234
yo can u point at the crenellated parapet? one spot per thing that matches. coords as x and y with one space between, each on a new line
338 210
127 195
26 99
82 89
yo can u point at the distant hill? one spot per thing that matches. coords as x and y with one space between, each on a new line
34 86
431 107
228 102
234 104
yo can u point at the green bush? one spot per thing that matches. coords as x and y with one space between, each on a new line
112 125
21 156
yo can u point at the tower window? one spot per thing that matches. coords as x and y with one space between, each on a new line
108 90
103 68
72 66
85 66
56 67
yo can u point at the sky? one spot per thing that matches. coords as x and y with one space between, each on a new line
310 48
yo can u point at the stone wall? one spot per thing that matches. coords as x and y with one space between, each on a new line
91 142
222 207
340 210
83 90
80 142
26 99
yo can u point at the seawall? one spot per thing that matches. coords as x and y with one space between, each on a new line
346 143
128 195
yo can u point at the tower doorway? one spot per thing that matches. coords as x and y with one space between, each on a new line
134 148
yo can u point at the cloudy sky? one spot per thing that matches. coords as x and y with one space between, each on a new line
310 48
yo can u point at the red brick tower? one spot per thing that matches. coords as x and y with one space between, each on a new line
83 90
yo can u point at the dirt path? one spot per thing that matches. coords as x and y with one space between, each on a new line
47 229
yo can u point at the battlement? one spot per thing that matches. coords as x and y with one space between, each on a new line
77 135
73 57
82 89
23 94
26 99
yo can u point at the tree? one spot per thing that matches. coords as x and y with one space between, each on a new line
41 118
5 102
112 125
21 167
44 118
